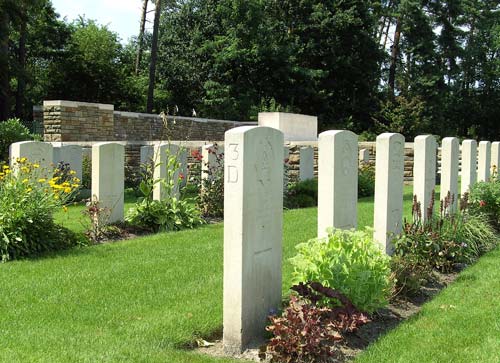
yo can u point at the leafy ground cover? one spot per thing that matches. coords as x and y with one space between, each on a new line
148 299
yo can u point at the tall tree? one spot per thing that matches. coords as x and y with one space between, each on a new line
154 56
140 38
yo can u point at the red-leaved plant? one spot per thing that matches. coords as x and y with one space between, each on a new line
310 326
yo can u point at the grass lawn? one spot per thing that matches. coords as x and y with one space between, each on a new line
462 324
143 300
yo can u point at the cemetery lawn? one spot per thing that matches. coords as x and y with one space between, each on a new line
148 299
461 324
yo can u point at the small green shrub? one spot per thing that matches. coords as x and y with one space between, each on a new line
410 273
12 131
484 199
302 194
28 200
86 172
366 180
347 261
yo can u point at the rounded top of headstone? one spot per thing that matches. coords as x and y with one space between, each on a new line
336 133
484 143
469 141
391 136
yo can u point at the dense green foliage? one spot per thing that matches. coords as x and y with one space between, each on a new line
28 200
347 261
410 66
484 200
12 131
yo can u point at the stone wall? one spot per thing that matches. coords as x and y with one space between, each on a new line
67 121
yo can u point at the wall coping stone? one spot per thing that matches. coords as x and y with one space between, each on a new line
101 106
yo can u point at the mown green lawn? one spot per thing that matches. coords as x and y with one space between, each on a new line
140 300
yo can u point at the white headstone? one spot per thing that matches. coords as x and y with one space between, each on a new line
211 163
364 156
450 153
424 171
337 180
484 161
71 154
183 165
35 152
306 167
166 168
495 157
469 164
108 175
147 152
389 173
253 226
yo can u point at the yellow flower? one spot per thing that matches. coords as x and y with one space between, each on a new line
76 180
7 171
29 190
65 208
36 165
67 190
41 180
25 181
25 169
72 172
5 167
56 197
75 185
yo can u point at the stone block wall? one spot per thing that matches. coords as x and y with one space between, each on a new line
67 121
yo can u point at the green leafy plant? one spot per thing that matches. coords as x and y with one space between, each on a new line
169 214
12 131
28 200
347 261
366 180
484 200
302 194
86 172
308 331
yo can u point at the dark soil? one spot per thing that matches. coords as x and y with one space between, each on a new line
384 320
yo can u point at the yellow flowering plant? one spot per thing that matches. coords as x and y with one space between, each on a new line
29 196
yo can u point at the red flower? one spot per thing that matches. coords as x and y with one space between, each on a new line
181 176
286 160
197 155
482 203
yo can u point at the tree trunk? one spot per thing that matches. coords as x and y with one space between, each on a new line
394 58
154 54
140 39
21 76
4 66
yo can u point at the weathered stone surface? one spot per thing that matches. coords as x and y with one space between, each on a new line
166 171
147 152
495 156
389 169
253 226
295 127
484 161
35 152
108 177
71 154
364 156
306 170
450 153
469 163
424 172
337 181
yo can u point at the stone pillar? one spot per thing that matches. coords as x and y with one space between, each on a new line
337 181
253 226
484 161
164 165
389 174
495 157
364 156
35 152
306 166
450 152
108 177
469 163
295 127
424 172
71 154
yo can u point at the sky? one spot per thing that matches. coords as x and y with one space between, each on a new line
121 16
